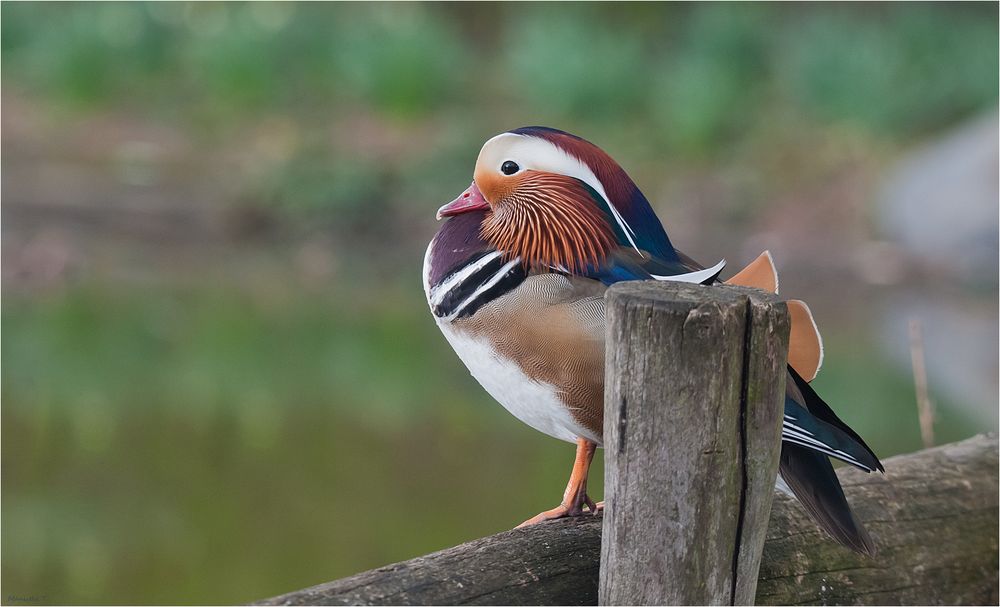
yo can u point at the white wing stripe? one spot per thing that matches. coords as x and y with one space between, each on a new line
694 277
796 428
817 446
799 439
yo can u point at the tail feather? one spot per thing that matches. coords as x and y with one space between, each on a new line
814 483
802 428
801 392
811 432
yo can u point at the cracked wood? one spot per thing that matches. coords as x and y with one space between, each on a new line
694 384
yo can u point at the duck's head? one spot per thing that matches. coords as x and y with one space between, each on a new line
551 198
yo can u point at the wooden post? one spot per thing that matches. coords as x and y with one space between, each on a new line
694 392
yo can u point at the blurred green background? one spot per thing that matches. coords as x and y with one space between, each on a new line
220 379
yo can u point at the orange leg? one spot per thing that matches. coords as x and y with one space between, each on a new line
575 497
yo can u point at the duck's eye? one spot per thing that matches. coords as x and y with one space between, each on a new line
509 167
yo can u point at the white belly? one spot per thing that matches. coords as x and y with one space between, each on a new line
534 403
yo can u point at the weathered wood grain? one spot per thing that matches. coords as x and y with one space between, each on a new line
553 563
694 388
933 516
764 397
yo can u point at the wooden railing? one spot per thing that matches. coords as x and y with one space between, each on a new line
693 407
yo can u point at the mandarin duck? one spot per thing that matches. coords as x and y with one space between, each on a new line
515 279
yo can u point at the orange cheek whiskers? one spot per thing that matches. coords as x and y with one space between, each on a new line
549 221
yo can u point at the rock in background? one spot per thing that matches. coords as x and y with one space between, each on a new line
939 207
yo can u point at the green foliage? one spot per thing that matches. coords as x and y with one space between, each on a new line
904 69
697 72
711 80
573 65
399 58
695 78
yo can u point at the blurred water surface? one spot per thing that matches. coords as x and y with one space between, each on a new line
220 378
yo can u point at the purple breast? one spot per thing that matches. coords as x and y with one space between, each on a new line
457 243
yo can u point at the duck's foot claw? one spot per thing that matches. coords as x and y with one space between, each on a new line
563 511
559 511
575 498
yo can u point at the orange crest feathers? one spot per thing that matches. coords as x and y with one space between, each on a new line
549 220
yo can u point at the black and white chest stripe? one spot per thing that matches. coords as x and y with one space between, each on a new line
474 283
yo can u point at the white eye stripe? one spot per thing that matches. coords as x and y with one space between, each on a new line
539 154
